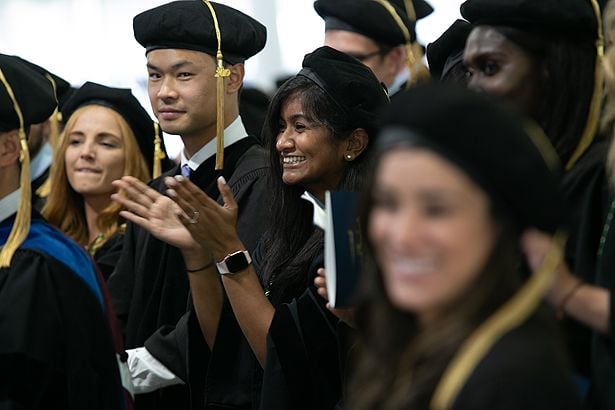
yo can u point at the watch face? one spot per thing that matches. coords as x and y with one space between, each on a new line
237 262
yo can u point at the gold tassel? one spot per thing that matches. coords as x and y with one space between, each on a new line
417 71
54 138
221 72
158 153
510 315
21 226
595 106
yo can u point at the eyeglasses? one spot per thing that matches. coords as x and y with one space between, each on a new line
363 57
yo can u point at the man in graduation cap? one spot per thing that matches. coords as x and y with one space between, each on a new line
380 33
195 60
57 349
44 137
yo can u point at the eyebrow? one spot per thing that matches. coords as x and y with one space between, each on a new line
177 65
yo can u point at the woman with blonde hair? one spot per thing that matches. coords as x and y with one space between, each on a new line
108 134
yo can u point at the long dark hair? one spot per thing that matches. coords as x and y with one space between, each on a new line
292 243
398 365
567 67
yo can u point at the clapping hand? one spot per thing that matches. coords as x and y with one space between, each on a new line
156 213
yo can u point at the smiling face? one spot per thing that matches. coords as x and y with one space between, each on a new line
94 155
431 231
310 156
182 91
498 66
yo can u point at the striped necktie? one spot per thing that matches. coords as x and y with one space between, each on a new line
186 171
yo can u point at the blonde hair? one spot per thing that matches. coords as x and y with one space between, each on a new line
64 207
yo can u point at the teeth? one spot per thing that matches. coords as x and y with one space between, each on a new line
292 159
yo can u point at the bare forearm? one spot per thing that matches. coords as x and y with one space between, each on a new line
590 305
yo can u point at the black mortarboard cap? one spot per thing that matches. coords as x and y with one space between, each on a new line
26 97
507 155
366 17
575 17
189 25
351 84
33 92
60 85
123 102
447 50
420 8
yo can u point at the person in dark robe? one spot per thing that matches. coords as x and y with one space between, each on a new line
108 134
253 106
57 346
43 138
194 82
445 318
544 58
445 54
379 33
258 328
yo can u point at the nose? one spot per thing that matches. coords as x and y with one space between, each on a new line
475 83
167 89
88 150
285 142
406 231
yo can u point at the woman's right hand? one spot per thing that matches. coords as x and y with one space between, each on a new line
154 212
320 281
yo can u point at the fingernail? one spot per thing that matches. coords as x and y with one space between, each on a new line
221 179
179 178
171 193
170 181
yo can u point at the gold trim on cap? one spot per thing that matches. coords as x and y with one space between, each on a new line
221 72
414 55
509 316
21 226
593 116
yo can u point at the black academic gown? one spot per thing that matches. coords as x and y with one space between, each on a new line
302 368
526 369
585 188
56 345
149 287
107 256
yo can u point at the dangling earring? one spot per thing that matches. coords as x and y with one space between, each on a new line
348 157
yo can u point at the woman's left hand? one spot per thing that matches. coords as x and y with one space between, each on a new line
213 226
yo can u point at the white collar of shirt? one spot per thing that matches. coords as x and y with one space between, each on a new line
233 133
9 205
41 161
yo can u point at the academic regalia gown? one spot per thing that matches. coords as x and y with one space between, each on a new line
56 345
525 369
585 188
149 287
108 254
302 367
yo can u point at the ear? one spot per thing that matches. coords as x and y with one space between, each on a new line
9 148
397 60
356 144
235 80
